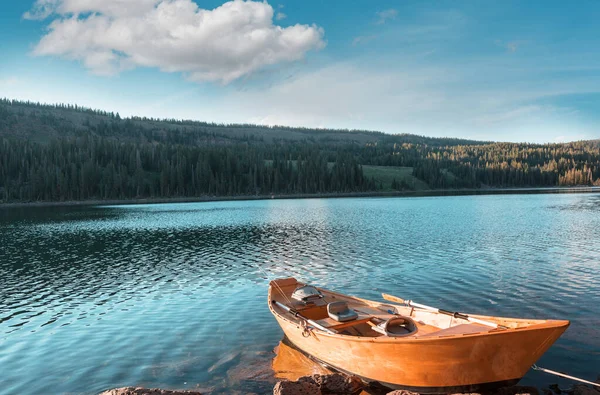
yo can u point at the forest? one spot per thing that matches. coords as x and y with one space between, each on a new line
68 153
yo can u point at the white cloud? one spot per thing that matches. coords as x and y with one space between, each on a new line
224 44
280 16
384 16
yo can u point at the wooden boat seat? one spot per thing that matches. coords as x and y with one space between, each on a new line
462 329
336 325
312 312
304 306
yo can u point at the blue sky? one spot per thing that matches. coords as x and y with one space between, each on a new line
507 71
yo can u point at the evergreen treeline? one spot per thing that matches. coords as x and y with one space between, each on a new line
98 168
65 152
511 165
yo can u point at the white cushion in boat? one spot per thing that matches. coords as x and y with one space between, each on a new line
340 312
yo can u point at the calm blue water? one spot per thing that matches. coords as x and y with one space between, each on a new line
170 295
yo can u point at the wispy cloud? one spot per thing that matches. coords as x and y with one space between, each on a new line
363 39
510 46
42 9
9 82
430 29
415 98
280 16
386 15
560 139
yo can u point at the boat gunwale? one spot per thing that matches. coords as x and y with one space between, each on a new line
544 324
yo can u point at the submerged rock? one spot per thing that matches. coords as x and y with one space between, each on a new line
296 388
146 391
335 383
316 384
340 384
517 390
514 390
582 389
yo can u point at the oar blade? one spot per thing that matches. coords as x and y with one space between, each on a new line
392 298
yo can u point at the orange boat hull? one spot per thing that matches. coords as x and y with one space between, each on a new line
449 364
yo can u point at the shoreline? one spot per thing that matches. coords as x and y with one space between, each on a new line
199 199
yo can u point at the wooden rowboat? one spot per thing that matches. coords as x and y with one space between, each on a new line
420 349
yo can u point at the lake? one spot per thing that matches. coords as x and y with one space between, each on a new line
174 295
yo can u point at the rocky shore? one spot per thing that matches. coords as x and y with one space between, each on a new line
291 372
339 384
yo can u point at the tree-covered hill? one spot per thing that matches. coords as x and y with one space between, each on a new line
39 122
64 152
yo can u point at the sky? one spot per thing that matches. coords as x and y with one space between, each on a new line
487 70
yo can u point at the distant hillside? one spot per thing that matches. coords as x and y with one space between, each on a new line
64 152
42 123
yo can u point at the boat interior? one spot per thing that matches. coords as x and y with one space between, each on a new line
352 316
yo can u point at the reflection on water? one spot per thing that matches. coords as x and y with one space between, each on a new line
174 295
291 364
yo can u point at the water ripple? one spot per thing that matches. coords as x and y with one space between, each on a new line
173 295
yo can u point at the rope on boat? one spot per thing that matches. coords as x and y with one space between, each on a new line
535 367
275 283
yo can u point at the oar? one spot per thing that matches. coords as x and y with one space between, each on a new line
441 311
297 314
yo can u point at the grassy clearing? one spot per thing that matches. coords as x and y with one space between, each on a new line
386 174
